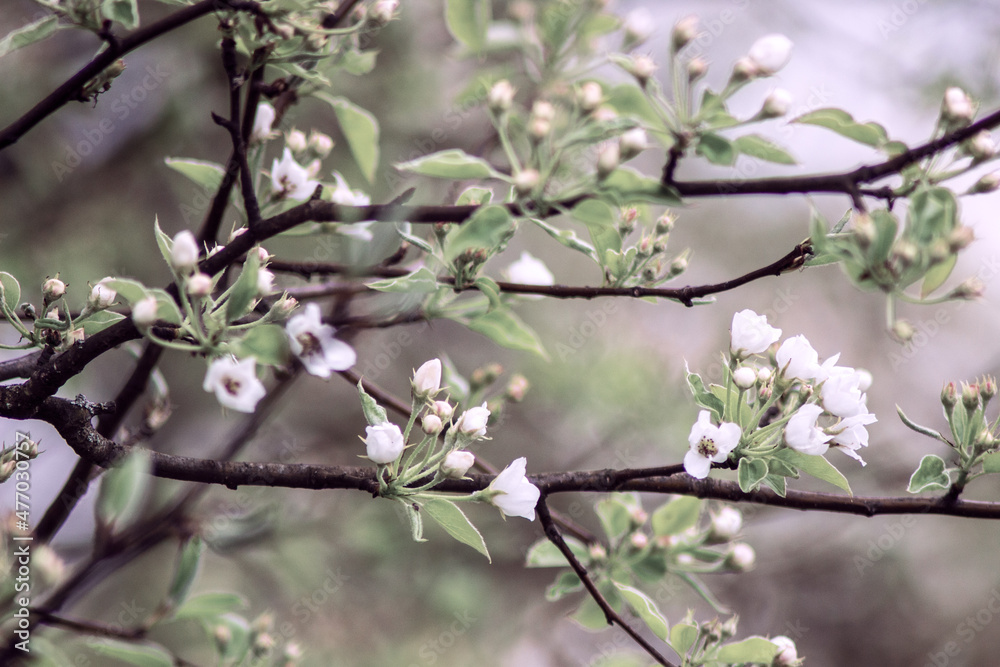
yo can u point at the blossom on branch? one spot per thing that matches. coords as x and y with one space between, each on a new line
803 435
751 334
290 179
517 496
384 443
472 422
709 444
313 343
235 383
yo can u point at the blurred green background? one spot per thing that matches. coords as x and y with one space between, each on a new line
338 571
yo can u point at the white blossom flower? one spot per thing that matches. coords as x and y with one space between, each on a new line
803 435
841 391
709 444
290 179
313 343
457 463
345 196
472 422
384 443
957 105
427 379
751 334
517 496
262 123
529 270
184 252
797 359
144 312
770 53
102 296
235 383
850 435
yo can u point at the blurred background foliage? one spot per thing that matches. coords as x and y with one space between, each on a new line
339 572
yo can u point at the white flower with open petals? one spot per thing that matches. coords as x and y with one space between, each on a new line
751 334
345 196
313 343
850 435
517 496
803 435
709 444
235 383
529 270
262 123
797 359
841 392
290 179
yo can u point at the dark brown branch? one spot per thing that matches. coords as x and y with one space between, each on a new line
69 90
612 617
236 131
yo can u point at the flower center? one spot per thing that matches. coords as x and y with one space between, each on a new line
232 385
706 447
310 344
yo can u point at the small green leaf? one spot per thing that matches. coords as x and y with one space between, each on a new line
545 554
140 655
682 637
751 472
475 196
244 292
508 330
125 12
210 605
416 521
676 516
646 609
929 476
374 413
568 238
450 517
757 146
589 615
421 281
991 462
268 343
490 290
565 584
403 229
750 650
467 21
703 396
817 466
932 214
98 321
600 222
207 175
922 430
452 163
716 149
629 100
358 62
29 34
628 186
131 291
361 130
841 122
937 274
123 489
615 518
10 290
187 569
488 228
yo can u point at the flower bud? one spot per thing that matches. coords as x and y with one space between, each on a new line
745 377
741 558
262 122
725 525
684 31
639 540
222 635
776 104
102 296
905 252
764 374
543 110
265 282
988 387
988 183
427 379
526 181
638 26
864 229
597 551
678 266
501 96
384 442
7 469
696 69
949 396
517 388
957 108
539 128
144 312
383 11
296 141
199 284
665 223
473 421
960 238
970 288
184 252
457 463
903 330
320 143
970 396
52 290
744 69
608 158
632 143
443 409
981 146
642 68
431 424
770 53
590 96
787 656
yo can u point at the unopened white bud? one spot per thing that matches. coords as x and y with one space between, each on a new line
501 96
776 104
265 282
684 31
184 252
431 424
770 53
102 296
608 159
742 557
525 181
632 143
696 68
591 95
53 289
199 284
457 463
443 409
957 106
320 143
638 27
642 68
639 540
981 146
745 377
296 141
144 312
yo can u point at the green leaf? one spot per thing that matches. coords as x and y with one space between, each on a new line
452 163
716 149
589 615
123 489
450 517
937 274
629 100
361 130
565 584
125 12
244 292
991 462
545 554
628 186
416 521
817 466
751 472
922 430
568 238
841 122
474 196
757 146
600 222
421 281
487 228
490 290
206 175
98 321
403 229
615 518
140 655
703 396
211 605
268 343
358 62
374 413
646 609
933 213
10 290
29 34
467 21
131 291
676 516
508 330
750 650
682 637
187 569
929 475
